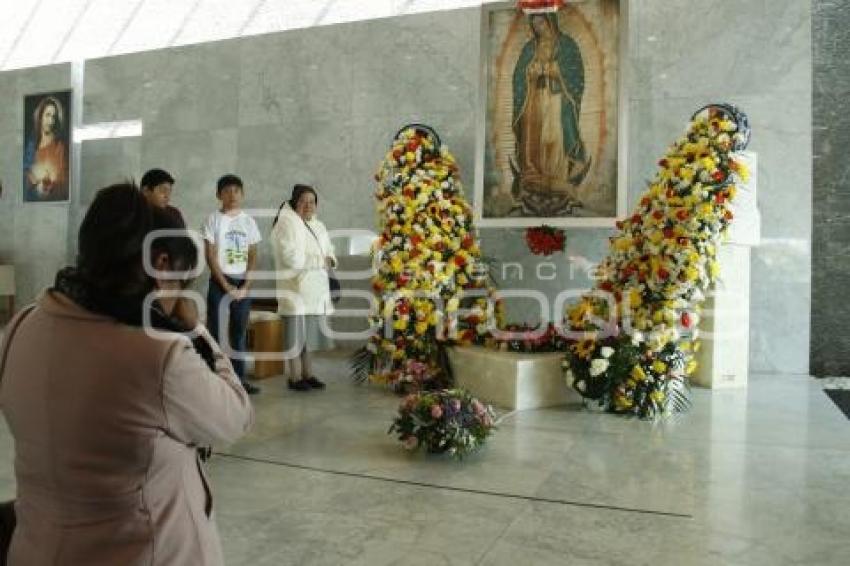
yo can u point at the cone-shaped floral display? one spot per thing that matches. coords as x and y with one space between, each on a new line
430 283
637 330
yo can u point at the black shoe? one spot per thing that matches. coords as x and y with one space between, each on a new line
300 385
314 382
250 389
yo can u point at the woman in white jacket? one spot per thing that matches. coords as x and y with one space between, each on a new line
303 254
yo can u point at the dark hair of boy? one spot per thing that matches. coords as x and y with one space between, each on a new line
155 177
226 181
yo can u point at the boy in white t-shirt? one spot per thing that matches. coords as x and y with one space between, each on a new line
231 237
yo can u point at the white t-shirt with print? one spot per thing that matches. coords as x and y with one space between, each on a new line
233 236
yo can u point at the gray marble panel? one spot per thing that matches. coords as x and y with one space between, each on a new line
296 77
830 338
830 48
34 235
182 89
418 63
106 162
196 160
7 235
725 46
41 246
516 269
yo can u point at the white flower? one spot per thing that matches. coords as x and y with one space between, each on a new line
607 351
581 386
598 367
637 337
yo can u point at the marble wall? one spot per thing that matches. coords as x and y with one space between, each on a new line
321 105
33 237
830 340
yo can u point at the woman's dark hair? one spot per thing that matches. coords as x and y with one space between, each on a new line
297 192
112 236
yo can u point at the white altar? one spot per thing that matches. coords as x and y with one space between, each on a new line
512 380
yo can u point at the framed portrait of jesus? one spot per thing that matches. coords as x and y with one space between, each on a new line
551 134
46 164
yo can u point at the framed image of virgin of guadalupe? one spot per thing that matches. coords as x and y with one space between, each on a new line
551 124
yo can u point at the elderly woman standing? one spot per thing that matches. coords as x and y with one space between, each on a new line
303 254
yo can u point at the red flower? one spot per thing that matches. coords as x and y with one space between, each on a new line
663 274
719 198
669 233
718 176
658 215
412 145
682 214
460 261
686 320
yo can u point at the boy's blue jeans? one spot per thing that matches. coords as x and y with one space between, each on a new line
234 328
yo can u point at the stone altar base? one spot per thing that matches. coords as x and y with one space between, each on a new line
512 380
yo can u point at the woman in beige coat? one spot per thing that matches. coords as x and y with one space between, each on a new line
303 256
107 404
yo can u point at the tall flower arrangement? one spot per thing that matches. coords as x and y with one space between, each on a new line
638 331
430 283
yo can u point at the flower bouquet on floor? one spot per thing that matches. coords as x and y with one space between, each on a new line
447 421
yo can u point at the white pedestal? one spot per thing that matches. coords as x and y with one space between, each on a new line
511 380
725 327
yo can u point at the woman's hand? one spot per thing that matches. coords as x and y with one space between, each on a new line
330 263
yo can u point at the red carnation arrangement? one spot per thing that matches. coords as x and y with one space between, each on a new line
545 240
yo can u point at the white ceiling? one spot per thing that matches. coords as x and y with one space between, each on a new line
41 32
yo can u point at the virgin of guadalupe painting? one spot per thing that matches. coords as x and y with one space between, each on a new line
46 149
550 144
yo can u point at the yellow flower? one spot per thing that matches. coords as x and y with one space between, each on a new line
453 304
657 396
659 367
622 403
714 269
691 367
581 313
421 328
378 378
638 374
401 323
584 348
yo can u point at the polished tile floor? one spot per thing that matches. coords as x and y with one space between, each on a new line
757 477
